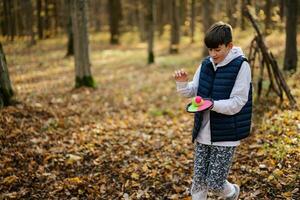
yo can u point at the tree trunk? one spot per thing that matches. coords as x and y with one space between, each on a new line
218 7
22 15
175 29
6 91
13 20
97 18
150 27
164 15
141 17
290 57
47 19
193 19
268 22
130 17
40 23
281 9
70 46
182 11
29 21
115 15
207 19
4 21
159 15
242 15
231 11
19 26
56 16
70 49
9 18
81 44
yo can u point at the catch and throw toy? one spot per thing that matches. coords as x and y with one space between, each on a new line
199 104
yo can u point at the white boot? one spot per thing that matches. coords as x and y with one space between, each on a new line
202 195
235 196
231 191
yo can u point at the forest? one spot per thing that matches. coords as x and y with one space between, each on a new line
89 107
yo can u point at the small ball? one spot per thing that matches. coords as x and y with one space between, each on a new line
198 99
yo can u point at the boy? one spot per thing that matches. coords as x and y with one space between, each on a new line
225 77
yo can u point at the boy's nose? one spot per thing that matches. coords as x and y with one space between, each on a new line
212 53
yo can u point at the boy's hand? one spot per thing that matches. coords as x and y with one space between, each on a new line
180 76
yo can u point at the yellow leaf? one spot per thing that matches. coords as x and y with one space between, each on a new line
154 173
135 176
287 194
277 172
10 180
271 162
270 178
75 180
145 168
260 152
174 196
135 184
72 158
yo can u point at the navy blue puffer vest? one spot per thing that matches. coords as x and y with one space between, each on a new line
218 85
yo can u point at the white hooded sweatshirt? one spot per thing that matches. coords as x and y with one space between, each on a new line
238 96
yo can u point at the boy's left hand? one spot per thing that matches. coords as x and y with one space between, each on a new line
180 76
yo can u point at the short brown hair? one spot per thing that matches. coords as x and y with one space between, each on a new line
219 33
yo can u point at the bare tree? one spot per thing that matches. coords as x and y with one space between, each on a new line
193 20
150 27
281 9
268 21
231 6
97 9
182 11
115 15
40 19
6 91
9 19
207 18
46 18
81 44
175 30
290 57
242 14
141 9
29 20
70 45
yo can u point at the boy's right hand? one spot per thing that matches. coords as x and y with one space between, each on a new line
180 76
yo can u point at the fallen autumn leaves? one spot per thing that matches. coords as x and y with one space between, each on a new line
129 139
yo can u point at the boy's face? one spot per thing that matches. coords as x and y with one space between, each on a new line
218 54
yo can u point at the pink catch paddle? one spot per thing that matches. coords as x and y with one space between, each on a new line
199 104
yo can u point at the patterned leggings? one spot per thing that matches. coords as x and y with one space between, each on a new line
211 166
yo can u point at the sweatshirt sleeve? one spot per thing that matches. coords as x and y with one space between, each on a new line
239 94
189 89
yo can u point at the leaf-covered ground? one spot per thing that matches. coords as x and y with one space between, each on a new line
129 138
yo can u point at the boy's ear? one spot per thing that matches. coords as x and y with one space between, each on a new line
230 45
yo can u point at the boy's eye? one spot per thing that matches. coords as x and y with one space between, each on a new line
214 50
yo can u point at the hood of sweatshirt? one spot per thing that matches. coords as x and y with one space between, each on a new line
233 53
